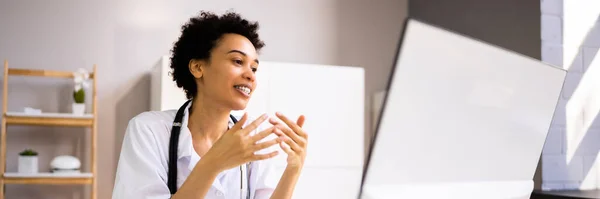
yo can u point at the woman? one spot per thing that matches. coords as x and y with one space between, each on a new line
200 150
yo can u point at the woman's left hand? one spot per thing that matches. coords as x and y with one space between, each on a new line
294 136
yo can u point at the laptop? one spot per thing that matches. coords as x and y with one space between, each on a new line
461 119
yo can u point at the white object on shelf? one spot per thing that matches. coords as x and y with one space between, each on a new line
65 164
28 164
78 108
30 110
47 175
50 115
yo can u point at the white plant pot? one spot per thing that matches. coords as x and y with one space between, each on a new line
78 108
28 164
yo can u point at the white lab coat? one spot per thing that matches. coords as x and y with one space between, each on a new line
142 168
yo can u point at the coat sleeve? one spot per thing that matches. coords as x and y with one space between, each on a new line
140 173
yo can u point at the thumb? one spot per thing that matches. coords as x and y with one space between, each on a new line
300 121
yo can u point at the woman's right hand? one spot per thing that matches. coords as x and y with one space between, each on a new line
237 146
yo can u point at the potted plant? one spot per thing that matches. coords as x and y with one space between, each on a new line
28 161
80 78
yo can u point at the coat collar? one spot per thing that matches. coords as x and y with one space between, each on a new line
186 148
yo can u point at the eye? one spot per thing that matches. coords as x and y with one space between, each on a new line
254 69
238 61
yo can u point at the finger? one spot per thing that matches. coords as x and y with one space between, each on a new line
267 144
274 121
263 134
300 121
291 134
252 126
283 129
292 144
264 156
240 123
278 132
297 129
285 148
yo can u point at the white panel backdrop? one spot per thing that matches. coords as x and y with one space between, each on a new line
331 98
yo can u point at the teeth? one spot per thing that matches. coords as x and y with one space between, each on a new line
243 89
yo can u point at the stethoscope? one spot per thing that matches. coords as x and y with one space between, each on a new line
173 145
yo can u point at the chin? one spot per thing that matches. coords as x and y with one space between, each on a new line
239 105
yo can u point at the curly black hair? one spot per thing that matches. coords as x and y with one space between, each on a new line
199 36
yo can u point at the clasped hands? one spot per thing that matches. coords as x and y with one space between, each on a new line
237 146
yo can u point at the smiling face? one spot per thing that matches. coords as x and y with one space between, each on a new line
228 78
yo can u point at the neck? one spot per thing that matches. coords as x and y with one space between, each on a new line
207 120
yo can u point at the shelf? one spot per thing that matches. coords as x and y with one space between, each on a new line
19 117
49 119
48 178
42 73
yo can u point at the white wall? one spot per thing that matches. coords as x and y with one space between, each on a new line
335 122
570 38
126 37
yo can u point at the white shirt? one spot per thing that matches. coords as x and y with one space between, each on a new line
143 163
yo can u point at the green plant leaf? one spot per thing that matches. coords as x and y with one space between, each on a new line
28 152
79 96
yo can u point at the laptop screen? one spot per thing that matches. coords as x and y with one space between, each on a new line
459 110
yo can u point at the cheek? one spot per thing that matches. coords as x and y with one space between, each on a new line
222 76
225 78
225 82
216 83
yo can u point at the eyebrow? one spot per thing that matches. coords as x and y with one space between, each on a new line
237 51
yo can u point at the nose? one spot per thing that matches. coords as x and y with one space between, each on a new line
249 74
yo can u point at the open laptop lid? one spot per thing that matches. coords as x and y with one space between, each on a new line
459 110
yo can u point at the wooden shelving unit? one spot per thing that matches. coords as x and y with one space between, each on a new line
47 119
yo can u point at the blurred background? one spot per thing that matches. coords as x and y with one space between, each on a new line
126 38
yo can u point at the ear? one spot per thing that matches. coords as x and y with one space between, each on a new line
196 67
